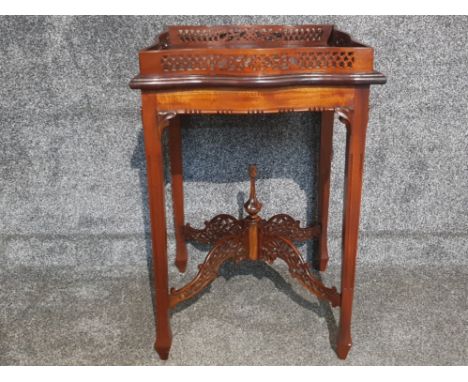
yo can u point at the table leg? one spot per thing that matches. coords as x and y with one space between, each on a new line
356 123
326 144
153 129
175 155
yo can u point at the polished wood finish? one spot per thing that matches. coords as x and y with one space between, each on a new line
220 101
175 155
253 207
252 238
326 147
243 70
153 127
356 124
203 36
255 56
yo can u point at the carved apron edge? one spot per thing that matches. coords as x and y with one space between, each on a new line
165 117
344 116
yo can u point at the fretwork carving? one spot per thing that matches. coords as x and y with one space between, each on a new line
256 239
274 246
285 225
215 229
229 248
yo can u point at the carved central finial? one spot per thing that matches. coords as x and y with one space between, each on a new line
252 206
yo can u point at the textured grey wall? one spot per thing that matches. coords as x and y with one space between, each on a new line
72 173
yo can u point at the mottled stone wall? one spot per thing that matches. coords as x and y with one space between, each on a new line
72 162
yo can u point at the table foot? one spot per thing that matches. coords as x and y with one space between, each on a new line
181 261
321 263
162 350
343 348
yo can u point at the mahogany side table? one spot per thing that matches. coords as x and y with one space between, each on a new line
254 69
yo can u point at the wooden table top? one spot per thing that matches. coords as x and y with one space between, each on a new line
250 56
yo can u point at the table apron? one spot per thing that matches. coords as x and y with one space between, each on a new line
218 101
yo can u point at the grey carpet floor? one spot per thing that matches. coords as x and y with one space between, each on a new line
405 314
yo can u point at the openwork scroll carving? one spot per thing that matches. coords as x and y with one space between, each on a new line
285 225
215 229
251 34
230 248
252 238
274 247
268 62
